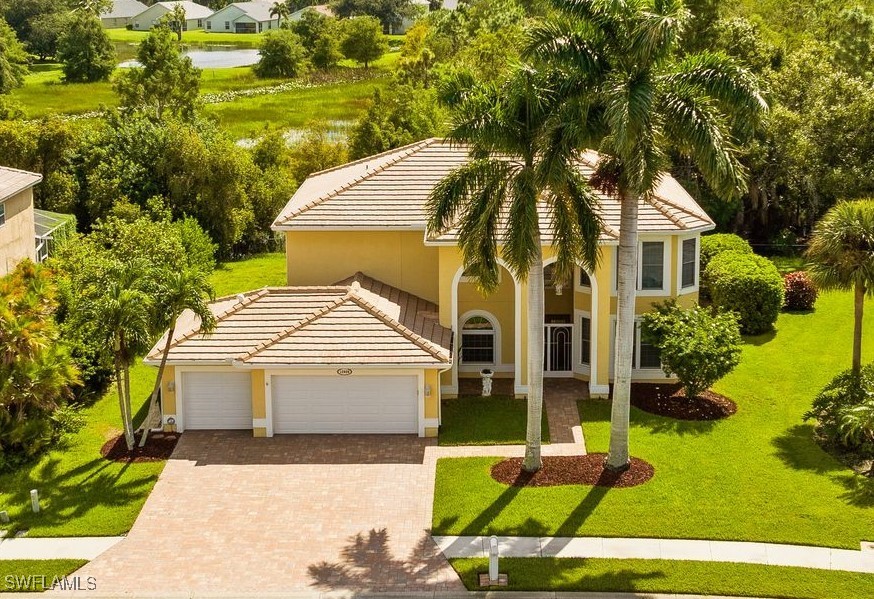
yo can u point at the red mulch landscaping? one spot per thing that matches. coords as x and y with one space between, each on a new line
668 399
572 470
159 447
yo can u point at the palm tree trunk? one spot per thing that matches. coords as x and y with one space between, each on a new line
857 328
122 405
532 461
129 422
618 456
153 399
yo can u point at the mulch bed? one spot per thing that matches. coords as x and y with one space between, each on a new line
159 447
667 399
572 470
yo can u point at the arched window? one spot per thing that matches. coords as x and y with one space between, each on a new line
585 281
477 341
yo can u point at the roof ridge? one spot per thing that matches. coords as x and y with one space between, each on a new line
403 152
287 332
689 211
425 344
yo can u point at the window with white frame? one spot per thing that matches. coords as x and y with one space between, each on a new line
652 265
477 341
690 259
227 25
208 25
2 214
585 340
644 356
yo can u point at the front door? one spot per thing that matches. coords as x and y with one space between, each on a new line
557 350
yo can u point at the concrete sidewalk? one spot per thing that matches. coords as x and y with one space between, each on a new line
56 548
824 558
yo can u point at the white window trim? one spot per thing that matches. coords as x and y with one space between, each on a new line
579 367
636 373
577 286
694 288
496 336
665 291
2 213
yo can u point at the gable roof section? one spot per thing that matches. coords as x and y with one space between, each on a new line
193 10
258 10
358 322
123 9
390 191
14 181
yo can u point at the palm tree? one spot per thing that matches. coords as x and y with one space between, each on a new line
519 166
280 10
122 311
183 290
637 99
841 256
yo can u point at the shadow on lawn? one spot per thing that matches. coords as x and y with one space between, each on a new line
859 489
798 450
759 340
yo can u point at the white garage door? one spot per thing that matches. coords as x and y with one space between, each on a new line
345 404
217 400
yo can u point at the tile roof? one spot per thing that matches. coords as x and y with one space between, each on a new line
257 9
193 10
123 9
14 181
390 190
359 321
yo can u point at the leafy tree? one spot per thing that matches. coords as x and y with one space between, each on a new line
699 345
519 164
363 40
841 256
86 51
13 59
46 32
853 41
175 20
36 371
395 118
166 83
280 10
21 14
282 55
319 36
634 99
326 52
390 13
316 151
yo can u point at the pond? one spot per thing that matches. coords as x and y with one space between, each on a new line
214 57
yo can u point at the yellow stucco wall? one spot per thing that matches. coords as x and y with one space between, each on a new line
168 397
398 258
259 402
500 304
17 235
431 393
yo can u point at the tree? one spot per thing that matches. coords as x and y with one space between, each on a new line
636 100
363 40
282 55
180 290
395 117
841 256
46 32
316 151
319 36
853 41
86 51
520 165
165 83
175 20
13 59
699 345
390 13
280 10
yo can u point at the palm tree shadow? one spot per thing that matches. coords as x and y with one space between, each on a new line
798 450
859 489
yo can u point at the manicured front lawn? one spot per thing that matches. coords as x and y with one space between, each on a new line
81 493
756 476
197 37
662 576
266 270
486 421
32 575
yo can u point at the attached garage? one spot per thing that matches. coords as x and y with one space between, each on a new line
217 400
345 404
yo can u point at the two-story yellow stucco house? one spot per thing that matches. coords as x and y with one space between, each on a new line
379 321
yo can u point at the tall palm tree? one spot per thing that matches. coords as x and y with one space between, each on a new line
186 289
280 10
122 311
638 99
841 256
519 166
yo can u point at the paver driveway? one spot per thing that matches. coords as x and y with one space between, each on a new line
317 512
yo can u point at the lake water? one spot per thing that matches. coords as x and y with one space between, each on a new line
214 58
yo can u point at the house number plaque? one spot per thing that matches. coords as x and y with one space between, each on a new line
344 371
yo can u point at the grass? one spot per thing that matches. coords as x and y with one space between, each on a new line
266 270
485 421
787 264
82 494
198 37
756 476
35 575
662 576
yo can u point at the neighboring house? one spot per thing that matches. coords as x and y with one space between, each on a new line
17 227
323 9
195 15
375 351
122 13
243 17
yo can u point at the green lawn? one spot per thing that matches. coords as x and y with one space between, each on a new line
662 576
756 476
198 37
81 493
36 575
485 421
266 270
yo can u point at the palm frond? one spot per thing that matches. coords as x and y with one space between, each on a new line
522 239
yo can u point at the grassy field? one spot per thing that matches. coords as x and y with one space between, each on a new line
29 575
663 576
266 270
486 421
199 37
756 476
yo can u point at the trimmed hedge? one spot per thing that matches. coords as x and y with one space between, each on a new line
800 292
749 285
713 245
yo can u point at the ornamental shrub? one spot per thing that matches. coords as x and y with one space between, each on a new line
699 345
799 291
844 410
713 245
749 285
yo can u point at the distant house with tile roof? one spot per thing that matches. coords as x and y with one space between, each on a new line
243 17
195 15
380 320
121 13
